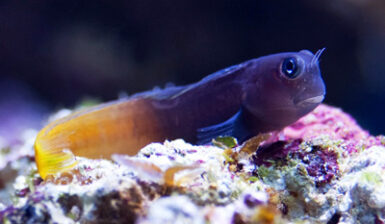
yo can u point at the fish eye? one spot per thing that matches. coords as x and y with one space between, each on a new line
290 68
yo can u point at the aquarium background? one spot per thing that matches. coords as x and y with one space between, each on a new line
54 54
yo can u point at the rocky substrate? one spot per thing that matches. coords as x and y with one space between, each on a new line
322 169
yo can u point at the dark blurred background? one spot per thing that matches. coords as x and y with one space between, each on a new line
55 53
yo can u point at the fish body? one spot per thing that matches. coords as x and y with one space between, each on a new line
256 96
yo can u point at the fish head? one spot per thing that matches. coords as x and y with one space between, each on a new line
281 88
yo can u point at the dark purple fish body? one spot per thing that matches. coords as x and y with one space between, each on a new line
259 95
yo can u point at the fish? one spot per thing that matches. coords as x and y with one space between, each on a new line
256 96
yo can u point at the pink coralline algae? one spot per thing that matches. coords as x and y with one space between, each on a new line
323 121
319 159
331 122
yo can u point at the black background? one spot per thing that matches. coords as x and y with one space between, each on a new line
55 53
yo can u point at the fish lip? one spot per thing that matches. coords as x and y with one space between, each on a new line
310 100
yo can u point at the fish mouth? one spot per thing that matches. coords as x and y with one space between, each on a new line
309 101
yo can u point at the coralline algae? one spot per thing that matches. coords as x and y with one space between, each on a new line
322 169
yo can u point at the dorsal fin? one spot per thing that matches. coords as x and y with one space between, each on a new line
176 91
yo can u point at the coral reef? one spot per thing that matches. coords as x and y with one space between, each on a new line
322 169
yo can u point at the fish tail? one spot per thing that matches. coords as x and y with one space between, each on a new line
52 161
114 128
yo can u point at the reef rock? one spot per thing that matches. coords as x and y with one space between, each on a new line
322 169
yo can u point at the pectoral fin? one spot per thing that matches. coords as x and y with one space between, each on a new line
226 128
